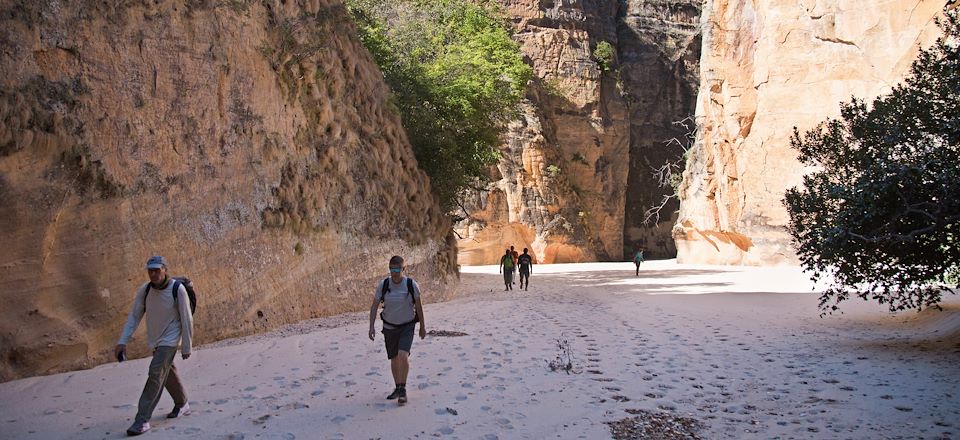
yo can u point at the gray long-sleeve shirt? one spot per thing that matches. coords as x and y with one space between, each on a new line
166 325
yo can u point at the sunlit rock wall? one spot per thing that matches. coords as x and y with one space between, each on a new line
766 67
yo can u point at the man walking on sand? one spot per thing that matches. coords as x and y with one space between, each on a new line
525 263
169 323
506 268
402 310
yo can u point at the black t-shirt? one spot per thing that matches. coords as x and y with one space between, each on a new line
524 261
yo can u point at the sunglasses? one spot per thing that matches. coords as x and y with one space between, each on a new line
396 269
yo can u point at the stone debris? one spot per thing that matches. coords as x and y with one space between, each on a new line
649 425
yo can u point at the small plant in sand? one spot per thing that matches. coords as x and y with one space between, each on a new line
564 360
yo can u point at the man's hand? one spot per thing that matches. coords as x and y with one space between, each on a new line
120 348
185 355
423 332
372 333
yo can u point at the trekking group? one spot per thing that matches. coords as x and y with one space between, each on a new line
170 302
510 262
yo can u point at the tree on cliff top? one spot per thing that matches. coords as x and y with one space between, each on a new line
456 77
880 217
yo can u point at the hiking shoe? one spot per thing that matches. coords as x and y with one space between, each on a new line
396 393
179 411
403 396
138 428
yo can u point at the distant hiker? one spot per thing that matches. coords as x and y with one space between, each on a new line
506 267
637 259
525 263
402 309
169 323
515 256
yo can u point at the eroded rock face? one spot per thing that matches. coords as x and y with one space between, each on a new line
559 188
767 67
248 142
581 154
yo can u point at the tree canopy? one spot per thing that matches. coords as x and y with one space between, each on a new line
880 215
456 76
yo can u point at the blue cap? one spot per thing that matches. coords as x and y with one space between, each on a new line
156 262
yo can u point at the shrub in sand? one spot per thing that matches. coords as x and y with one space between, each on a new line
880 215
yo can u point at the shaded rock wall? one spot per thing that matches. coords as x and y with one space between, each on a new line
659 53
580 155
251 143
767 67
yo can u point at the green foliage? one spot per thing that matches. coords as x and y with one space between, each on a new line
553 170
604 54
880 218
456 76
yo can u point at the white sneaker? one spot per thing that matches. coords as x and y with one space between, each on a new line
179 411
138 429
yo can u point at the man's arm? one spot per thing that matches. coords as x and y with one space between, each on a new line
417 303
373 316
186 322
133 320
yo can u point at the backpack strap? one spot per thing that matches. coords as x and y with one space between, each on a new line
412 297
176 292
146 291
384 289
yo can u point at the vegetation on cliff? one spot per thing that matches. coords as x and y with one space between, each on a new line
456 76
880 216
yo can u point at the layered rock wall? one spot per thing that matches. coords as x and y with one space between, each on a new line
767 67
559 188
580 159
251 143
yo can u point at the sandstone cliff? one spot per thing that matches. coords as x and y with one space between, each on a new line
251 143
579 159
767 67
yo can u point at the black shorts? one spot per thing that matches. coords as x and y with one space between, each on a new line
399 338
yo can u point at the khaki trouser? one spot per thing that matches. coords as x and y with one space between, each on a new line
162 374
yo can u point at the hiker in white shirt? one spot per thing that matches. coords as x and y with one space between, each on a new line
402 310
169 325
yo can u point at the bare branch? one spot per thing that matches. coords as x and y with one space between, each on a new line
654 212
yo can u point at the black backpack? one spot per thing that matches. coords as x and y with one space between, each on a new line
383 297
177 281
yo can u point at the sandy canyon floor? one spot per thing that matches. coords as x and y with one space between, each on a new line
739 352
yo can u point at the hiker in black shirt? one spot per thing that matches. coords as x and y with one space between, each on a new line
525 264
